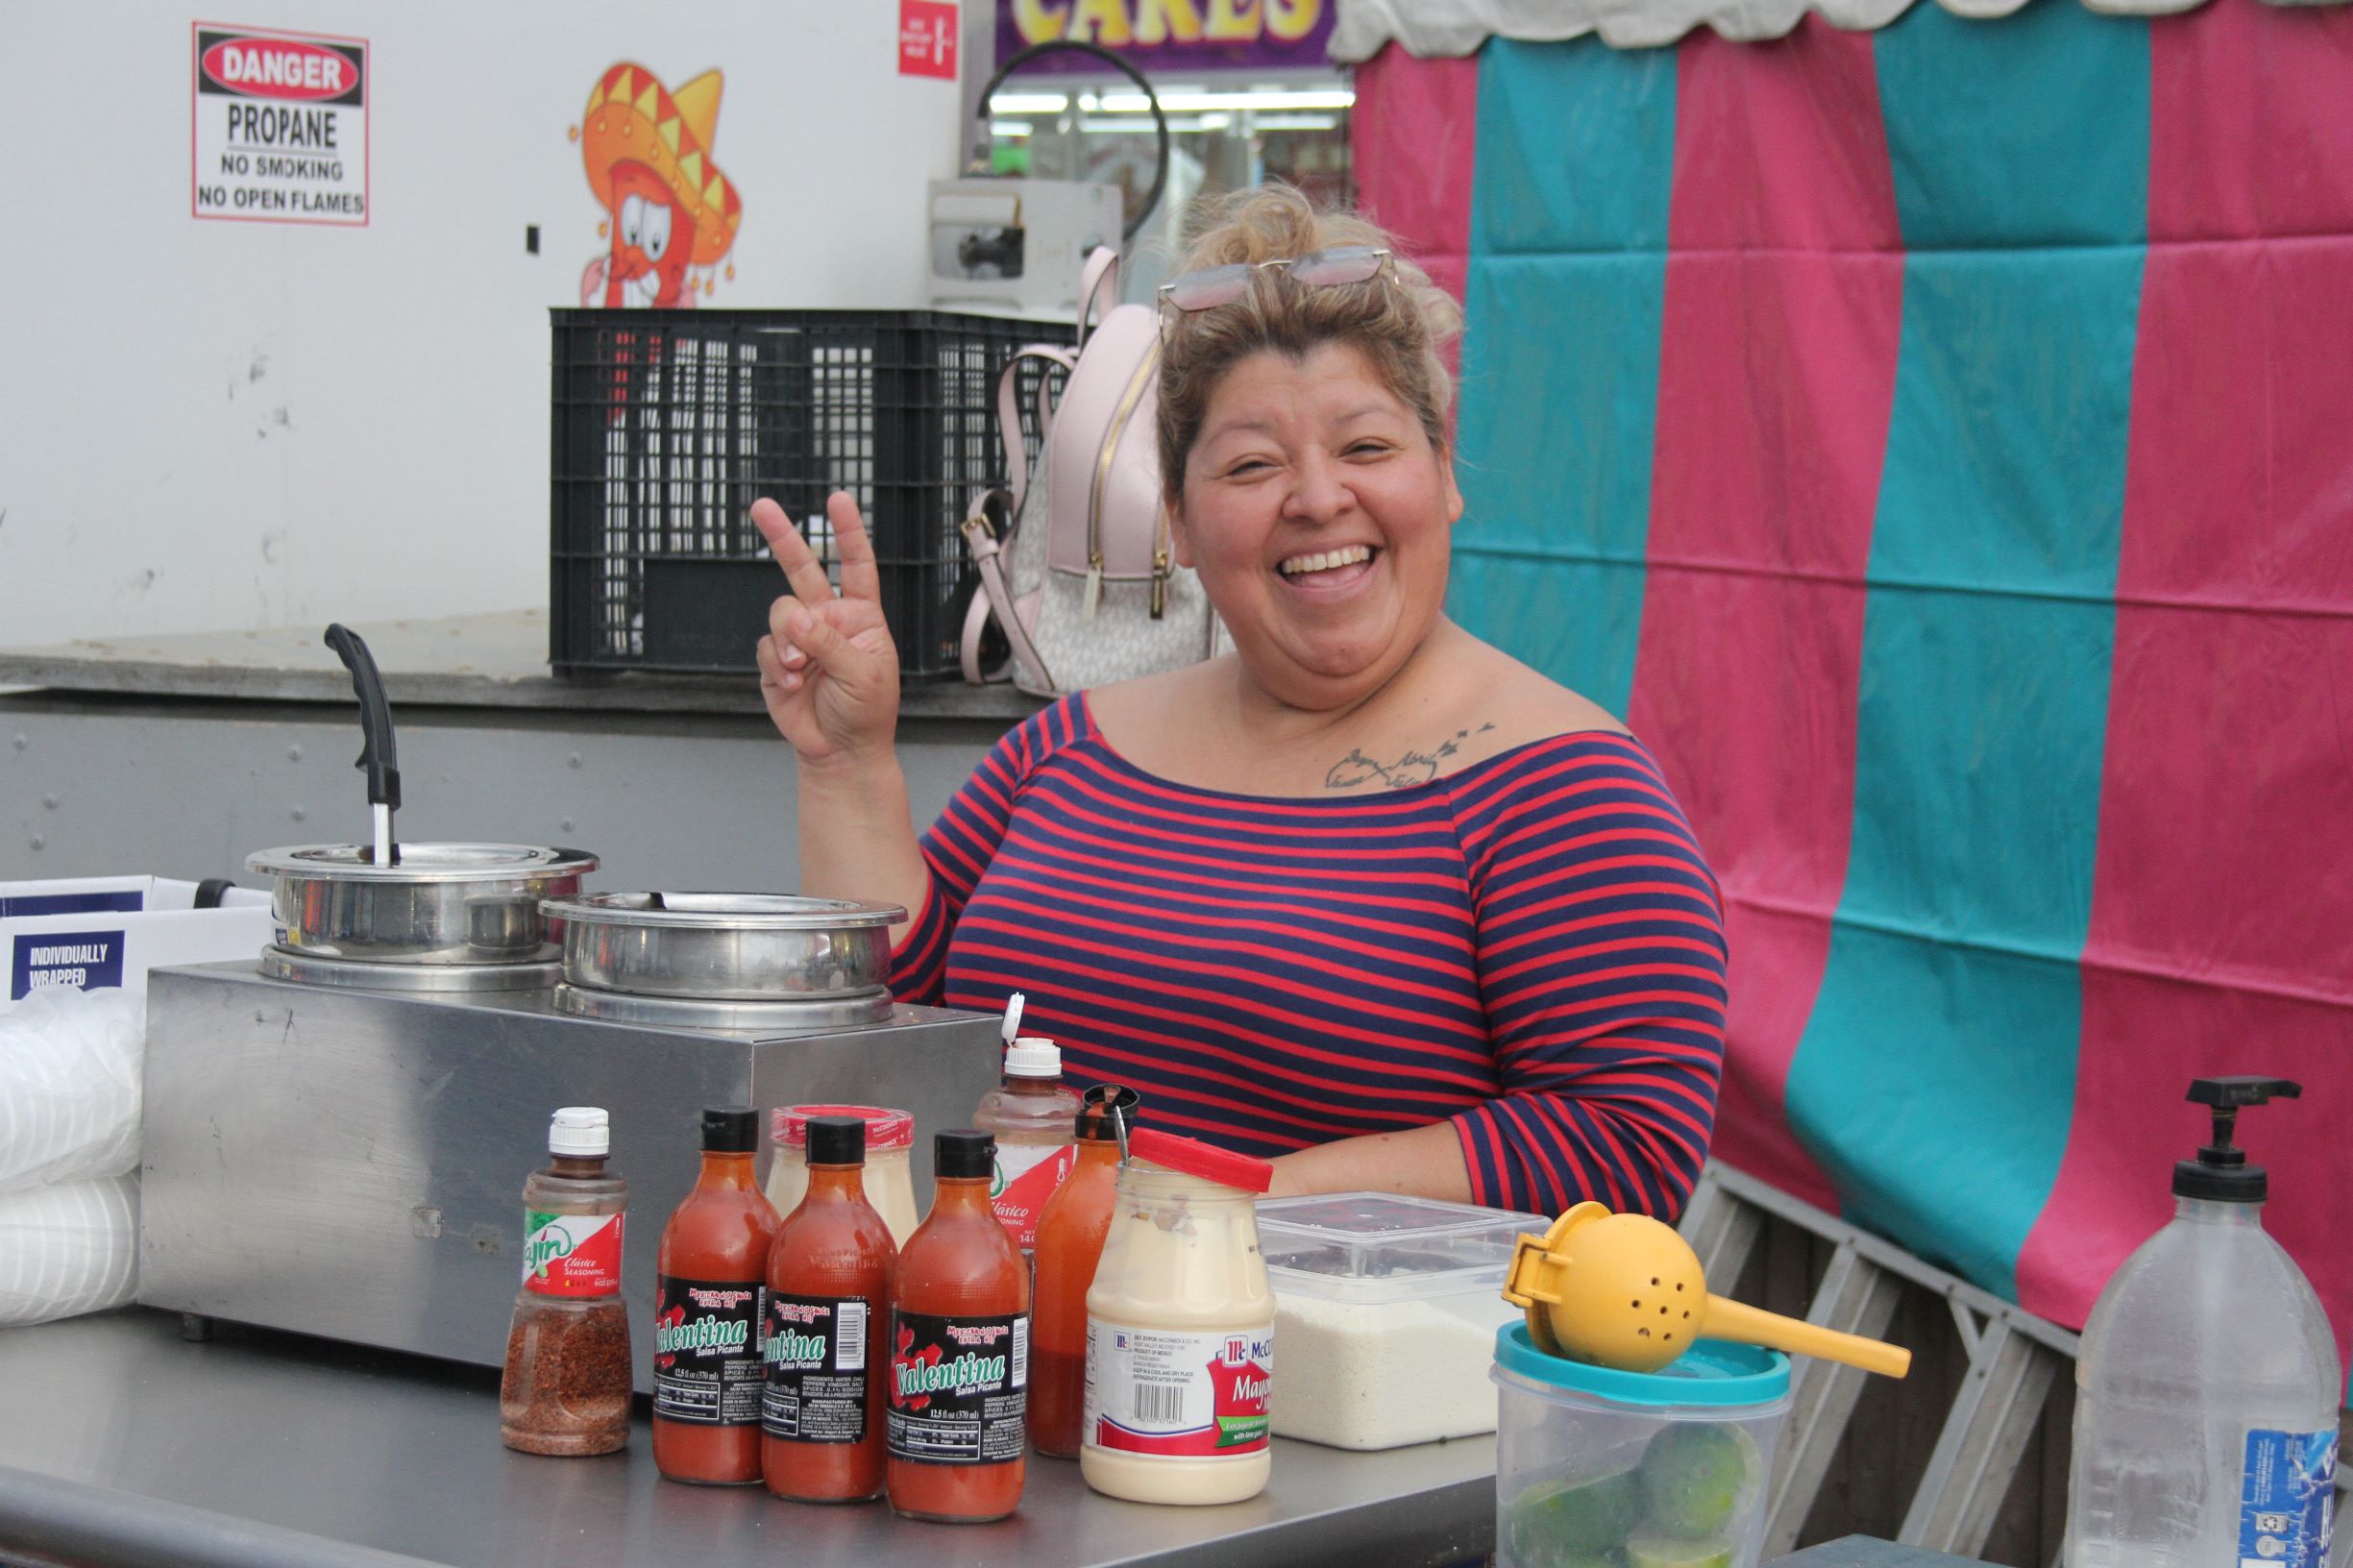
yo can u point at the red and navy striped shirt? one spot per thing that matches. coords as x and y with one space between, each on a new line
1531 947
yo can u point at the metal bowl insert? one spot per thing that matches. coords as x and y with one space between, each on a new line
439 903
725 946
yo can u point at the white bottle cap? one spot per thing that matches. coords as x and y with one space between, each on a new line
581 1131
1033 1057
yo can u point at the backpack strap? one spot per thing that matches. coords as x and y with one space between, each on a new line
1009 410
995 595
1098 289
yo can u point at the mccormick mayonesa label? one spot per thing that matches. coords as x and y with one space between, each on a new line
1191 1395
706 1351
815 1354
959 1388
1026 1176
572 1255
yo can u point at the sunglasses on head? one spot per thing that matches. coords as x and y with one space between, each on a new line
1214 286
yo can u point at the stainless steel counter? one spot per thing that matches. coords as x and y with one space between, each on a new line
121 1444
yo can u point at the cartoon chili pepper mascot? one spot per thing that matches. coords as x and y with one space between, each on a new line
668 208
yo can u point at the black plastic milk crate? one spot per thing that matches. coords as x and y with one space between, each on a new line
669 424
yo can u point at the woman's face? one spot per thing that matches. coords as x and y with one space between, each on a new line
1318 515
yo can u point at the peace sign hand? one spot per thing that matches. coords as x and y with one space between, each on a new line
828 669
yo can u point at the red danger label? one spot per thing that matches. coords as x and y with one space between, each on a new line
280 68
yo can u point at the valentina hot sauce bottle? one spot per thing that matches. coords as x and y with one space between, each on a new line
959 1350
829 1313
709 1299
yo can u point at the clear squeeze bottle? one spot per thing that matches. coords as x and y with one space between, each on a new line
1033 1120
2208 1382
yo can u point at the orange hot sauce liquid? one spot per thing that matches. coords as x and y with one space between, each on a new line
959 1260
1070 1235
835 1244
721 1232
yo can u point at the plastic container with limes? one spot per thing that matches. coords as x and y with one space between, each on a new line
1596 1468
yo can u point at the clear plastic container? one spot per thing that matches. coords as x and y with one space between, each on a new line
1031 1114
2206 1383
1661 1469
1386 1309
890 1179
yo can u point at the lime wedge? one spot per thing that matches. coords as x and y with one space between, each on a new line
1659 1551
1696 1476
1571 1524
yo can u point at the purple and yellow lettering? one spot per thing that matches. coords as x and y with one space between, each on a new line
1037 21
1100 21
1233 20
1163 21
1291 21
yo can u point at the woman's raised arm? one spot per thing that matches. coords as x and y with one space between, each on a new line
829 675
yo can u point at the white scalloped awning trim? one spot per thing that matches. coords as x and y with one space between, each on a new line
1449 28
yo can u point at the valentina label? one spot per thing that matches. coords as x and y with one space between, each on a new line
965 1372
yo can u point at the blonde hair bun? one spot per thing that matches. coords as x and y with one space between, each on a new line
1398 321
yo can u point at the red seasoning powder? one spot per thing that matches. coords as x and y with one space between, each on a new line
565 1389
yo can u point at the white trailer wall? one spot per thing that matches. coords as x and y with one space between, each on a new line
212 425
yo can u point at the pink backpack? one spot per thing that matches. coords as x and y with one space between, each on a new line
1076 567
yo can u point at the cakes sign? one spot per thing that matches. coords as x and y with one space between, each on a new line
279 127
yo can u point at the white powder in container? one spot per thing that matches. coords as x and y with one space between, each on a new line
1367 1375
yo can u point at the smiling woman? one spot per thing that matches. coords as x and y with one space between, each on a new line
1366 895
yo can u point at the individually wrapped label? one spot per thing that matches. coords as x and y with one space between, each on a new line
2285 1494
958 1388
1026 1176
1177 1393
706 1351
817 1359
571 1255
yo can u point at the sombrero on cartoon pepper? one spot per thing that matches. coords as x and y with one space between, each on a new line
632 116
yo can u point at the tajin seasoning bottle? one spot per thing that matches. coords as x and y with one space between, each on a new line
1071 1234
828 1307
709 1299
959 1350
566 1385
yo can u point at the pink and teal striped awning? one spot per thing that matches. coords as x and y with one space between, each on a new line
1938 442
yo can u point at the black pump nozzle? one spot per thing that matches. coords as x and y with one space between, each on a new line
2221 1171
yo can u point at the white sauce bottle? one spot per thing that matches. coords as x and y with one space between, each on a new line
1180 1330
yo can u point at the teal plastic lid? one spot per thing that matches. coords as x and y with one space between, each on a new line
1711 1372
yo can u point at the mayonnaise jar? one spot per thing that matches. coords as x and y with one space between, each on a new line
1180 1330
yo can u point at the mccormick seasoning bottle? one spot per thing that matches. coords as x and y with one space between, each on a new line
1070 1239
829 1300
566 1387
959 1351
709 1299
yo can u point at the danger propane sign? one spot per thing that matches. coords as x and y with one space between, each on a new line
281 127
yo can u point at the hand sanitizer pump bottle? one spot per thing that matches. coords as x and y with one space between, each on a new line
2207 1387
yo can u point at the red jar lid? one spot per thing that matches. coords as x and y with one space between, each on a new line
1192 1158
885 1128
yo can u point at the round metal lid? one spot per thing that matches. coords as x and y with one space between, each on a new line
422 862
310 969
722 911
761 1018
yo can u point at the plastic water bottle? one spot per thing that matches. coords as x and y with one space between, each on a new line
2208 1382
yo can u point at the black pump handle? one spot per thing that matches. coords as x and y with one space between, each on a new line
378 755
2233 1093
